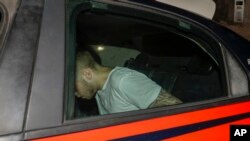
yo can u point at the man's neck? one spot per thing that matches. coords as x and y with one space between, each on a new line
103 74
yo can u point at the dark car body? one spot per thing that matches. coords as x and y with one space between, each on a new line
38 40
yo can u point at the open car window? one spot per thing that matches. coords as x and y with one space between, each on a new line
181 63
178 55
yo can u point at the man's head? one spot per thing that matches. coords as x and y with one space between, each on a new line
86 81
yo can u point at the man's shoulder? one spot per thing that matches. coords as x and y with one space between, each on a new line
118 74
121 72
124 76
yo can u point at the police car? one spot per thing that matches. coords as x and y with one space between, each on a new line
202 63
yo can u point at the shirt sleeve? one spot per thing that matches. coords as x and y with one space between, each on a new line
139 90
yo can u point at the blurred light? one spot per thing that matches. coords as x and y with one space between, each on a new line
100 48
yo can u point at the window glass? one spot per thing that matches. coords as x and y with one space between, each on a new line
162 63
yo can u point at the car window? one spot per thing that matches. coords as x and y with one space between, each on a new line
176 55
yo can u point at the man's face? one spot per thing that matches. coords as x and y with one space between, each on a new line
84 90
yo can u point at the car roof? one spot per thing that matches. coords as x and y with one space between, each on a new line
205 8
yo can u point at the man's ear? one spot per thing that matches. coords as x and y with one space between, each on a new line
87 74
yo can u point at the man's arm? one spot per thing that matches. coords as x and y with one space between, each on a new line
164 98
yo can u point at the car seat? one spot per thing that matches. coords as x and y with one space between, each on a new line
163 78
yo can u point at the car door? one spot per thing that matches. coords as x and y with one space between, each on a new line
19 30
127 27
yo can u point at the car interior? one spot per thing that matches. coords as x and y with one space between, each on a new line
172 55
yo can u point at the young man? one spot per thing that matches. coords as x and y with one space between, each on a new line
119 89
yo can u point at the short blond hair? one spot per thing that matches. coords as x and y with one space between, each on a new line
85 60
